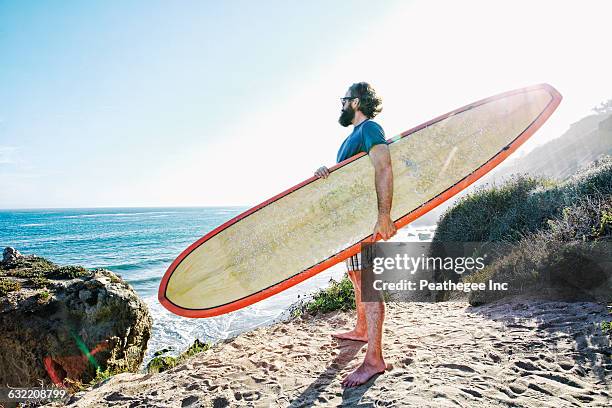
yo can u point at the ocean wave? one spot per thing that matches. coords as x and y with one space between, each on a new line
32 225
118 214
144 264
142 281
80 237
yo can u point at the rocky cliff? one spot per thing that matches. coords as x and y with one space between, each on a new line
60 324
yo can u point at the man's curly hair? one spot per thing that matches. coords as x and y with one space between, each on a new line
369 103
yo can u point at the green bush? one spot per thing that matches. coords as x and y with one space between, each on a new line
562 259
162 363
39 281
29 267
500 213
8 285
35 267
44 295
520 206
558 232
68 272
338 296
101 376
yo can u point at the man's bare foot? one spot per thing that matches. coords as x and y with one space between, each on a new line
352 335
363 373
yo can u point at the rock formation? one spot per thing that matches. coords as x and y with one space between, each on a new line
62 323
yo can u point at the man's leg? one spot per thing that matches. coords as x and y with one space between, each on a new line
359 333
373 362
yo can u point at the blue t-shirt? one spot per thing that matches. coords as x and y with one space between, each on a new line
364 136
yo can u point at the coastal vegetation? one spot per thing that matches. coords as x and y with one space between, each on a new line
8 285
36 272
161 363
559 233
522 205
101 376
339 295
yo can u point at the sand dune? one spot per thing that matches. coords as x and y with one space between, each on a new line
524 353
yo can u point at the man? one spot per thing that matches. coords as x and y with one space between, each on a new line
359 105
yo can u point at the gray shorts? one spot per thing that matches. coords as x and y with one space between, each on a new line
354 262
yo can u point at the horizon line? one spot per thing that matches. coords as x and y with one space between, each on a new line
123 207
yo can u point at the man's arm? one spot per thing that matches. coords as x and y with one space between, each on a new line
383 179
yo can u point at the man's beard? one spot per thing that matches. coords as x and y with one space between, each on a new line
347 116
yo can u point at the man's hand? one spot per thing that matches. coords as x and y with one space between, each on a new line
322 172
384 227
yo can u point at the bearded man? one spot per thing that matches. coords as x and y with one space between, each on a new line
360 105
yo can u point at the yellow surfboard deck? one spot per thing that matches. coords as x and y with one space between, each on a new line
320 222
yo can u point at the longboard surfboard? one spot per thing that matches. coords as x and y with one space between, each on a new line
320 222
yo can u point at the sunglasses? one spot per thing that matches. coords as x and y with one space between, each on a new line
347 98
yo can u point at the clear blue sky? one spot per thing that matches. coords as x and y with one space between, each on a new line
146 103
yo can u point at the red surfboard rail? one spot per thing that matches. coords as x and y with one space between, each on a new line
354 249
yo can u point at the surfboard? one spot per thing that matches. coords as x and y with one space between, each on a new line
320 222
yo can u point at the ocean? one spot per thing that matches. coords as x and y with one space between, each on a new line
139 244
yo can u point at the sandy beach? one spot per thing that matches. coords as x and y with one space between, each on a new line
520 353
